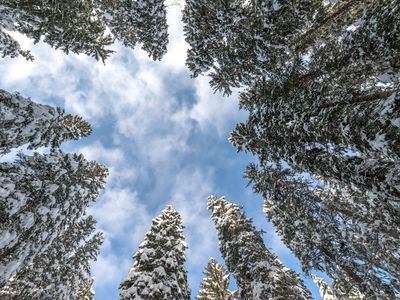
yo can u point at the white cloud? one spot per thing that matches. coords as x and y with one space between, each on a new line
97 151
120 168
213 110
109 267
124 221
176 55
120 214
189 198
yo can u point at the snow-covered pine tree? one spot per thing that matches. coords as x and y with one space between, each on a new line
23 121
335 112
118 16
41 196
324 289
338 164
85 291
265 38
143 21
150 23
346 111
215 284
158 272
82 26
258 273
69 25
353 248
207 31
62 270
328 294
240 41
322 78
10 47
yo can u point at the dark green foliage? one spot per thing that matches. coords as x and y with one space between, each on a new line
143 21
10 47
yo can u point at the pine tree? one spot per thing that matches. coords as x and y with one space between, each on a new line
328 294
322 84
85 291
158 271
10 47
61 271
70 25
298 116
215 284
354 145
335 115
241 41
142 21
324 289
81 26
273 38
325 121
331 233
23 121
41 196
117 15
207 30
149 19
258 272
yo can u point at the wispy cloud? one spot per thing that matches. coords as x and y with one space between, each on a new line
109 269
189 197
212 111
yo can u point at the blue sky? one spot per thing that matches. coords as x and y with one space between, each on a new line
164 137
